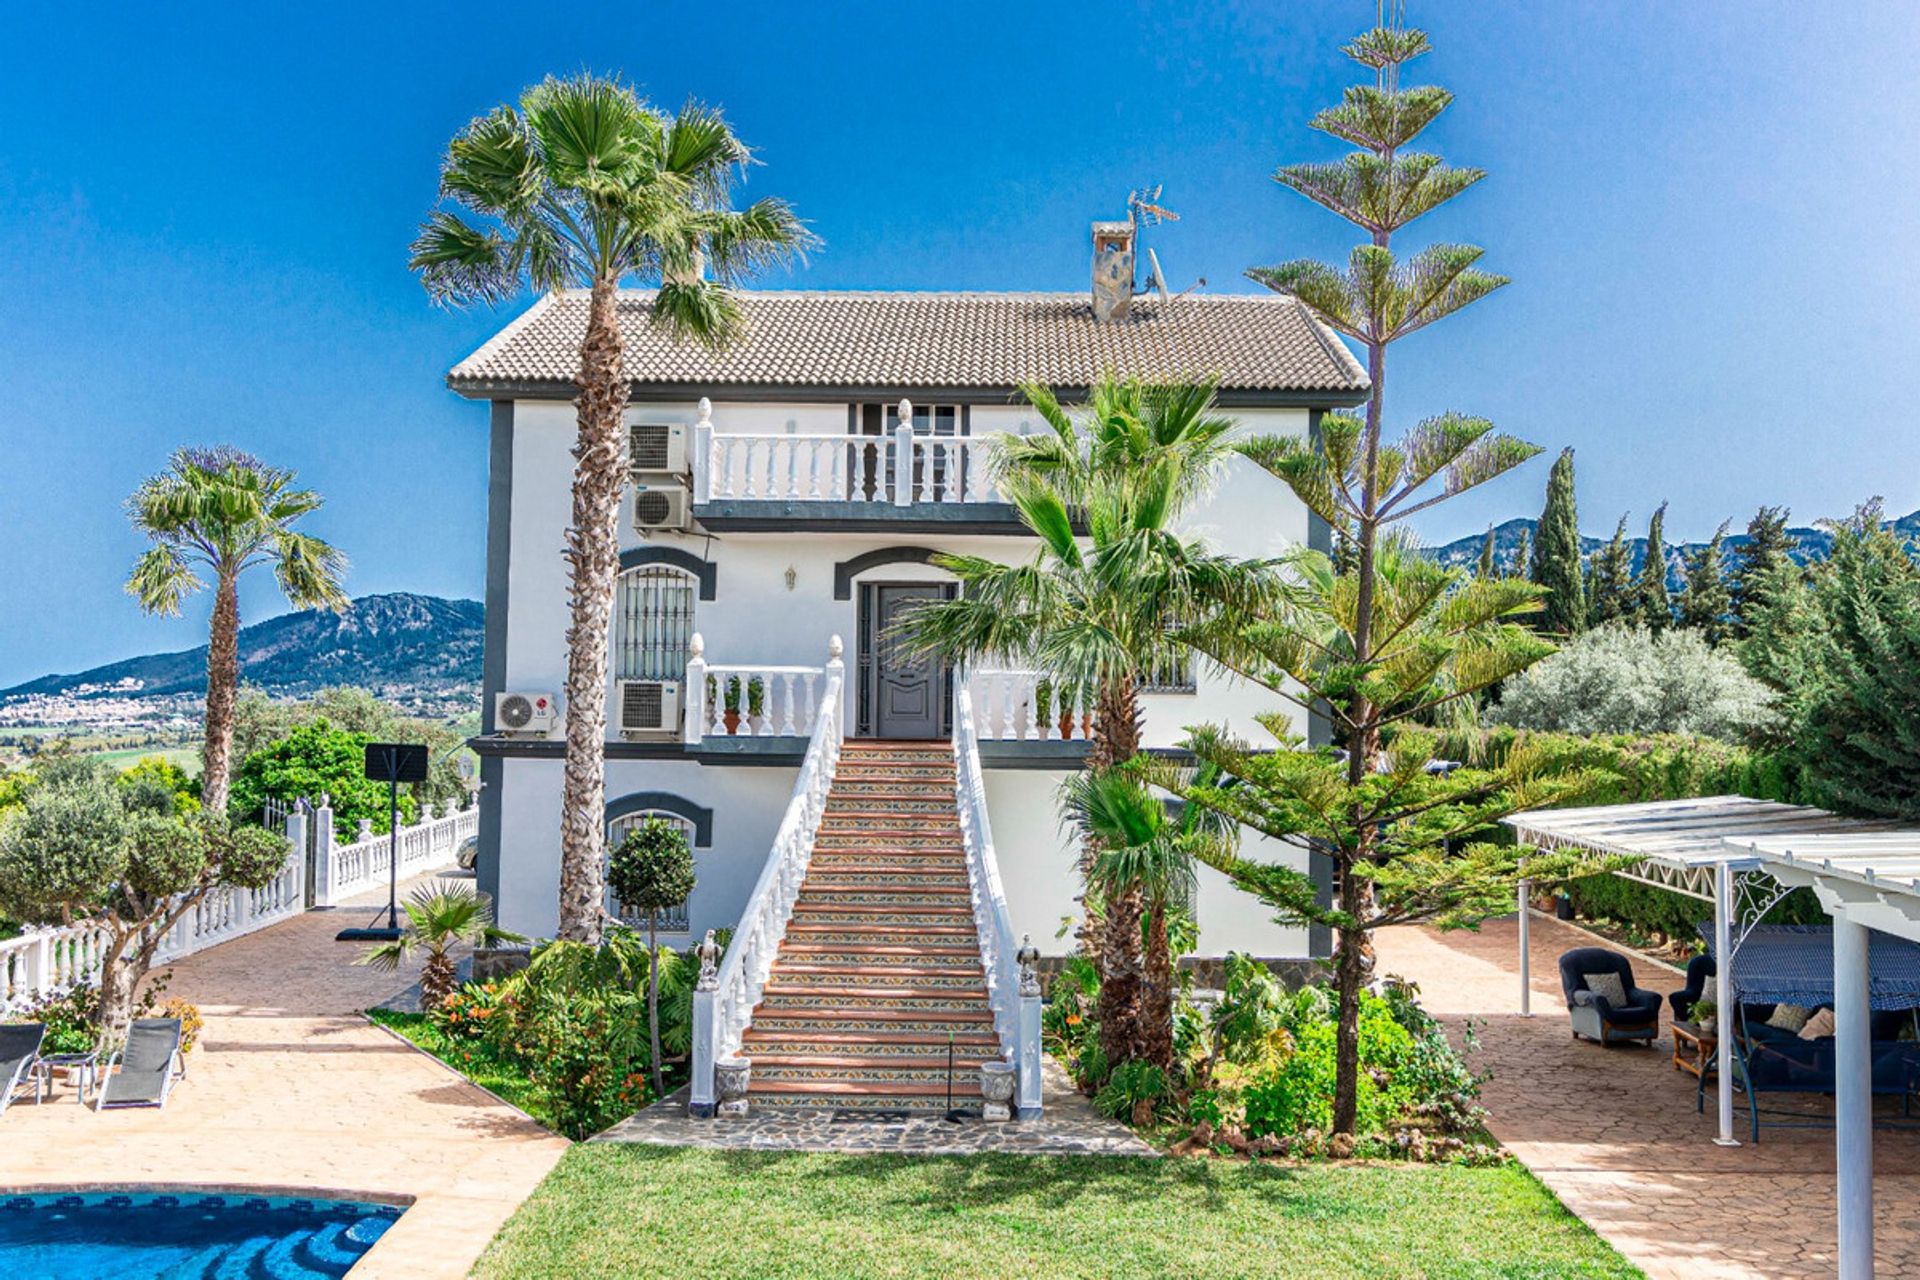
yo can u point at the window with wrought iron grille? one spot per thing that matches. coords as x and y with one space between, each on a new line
673 919
653 623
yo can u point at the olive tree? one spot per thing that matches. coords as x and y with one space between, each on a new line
82 851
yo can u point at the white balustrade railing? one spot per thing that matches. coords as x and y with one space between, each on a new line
724 1004
1013 991
52 960
342 870
752 700
899 467
1023 706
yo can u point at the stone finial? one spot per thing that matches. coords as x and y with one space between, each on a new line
835 647
324 802
696 645
365 830
906 412
708 953
1028 956
706 412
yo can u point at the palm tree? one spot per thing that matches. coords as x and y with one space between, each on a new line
1146 849
1097 616
586 185
224 511
440 918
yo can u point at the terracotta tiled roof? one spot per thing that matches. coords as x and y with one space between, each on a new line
1255 343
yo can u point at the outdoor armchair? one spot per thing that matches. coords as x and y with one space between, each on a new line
1595 1016
148 1064
19 1051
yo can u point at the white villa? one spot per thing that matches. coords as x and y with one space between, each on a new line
788 496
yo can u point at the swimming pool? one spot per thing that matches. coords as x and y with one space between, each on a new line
179 1235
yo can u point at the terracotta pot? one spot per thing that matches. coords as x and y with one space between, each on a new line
1066 725
732 720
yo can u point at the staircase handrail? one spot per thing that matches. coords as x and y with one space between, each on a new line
724 1005
1012 988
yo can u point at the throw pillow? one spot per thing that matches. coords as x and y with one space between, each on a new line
1789 1017
1608 987
1820 1024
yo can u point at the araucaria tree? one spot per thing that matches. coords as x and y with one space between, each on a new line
1098 615
1556 554
220 512
1706 605
1652 606
585 185
1375 648
652 871
83 850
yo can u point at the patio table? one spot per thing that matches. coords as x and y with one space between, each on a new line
1693 1050
83 1068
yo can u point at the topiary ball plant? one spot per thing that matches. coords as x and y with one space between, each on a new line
651 870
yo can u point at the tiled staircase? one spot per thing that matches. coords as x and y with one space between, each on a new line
880 966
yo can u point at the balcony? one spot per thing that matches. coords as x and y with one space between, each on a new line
899 480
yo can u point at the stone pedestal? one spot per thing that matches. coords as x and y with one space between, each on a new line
997 1080
730 1076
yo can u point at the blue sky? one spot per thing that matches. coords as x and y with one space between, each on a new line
1707 210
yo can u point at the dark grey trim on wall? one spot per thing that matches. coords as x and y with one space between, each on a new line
486 862
847 570
761 515
705 570
666 802
493 659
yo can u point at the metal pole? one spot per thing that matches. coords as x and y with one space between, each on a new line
393 852
1723 995
1853 1097
1526 951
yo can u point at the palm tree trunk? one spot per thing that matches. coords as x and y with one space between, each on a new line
1156 1005
1115 942
593 565
438 976
223 687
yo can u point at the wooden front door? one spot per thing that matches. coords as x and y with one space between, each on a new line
900 696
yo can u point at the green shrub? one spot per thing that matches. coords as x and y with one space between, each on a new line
311 759
1661 915
1631 768
1133 1092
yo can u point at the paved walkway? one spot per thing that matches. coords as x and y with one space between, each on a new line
1068 1126
290 1088
1614 1133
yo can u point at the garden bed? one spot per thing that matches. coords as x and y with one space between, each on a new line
638 1210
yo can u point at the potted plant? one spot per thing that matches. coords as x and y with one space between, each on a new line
756 703
1042 703
732 716
1067 697
1563 905
1705 1015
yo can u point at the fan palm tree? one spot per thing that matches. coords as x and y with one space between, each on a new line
585 185
222 511
1148 850
1096 616
440 918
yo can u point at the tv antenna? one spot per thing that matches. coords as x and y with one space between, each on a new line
1144 208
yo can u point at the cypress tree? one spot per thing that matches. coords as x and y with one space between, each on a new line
1522 557
1651 604
1610 579
1756 564
1485 568
1556 553
1707 605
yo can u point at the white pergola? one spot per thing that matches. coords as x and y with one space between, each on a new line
1691 847
1866 881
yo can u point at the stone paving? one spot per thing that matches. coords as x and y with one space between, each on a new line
1068 1126
1614 1133
292 1089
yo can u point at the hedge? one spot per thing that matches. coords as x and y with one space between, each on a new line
1634 768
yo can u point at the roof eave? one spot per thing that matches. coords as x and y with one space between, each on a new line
554 389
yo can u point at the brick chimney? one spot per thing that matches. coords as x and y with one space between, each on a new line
1112 270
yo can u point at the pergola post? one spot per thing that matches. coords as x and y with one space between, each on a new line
1723 996
1526 951
1853 1097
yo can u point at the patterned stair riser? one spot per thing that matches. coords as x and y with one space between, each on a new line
827 880
878 917
898 801
892 841
797 1022
872 1044
876 1073
830 861
852 959
856 936
871 999
839 977
967 1094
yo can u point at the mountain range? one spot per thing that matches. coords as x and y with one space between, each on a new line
1808 544
395 643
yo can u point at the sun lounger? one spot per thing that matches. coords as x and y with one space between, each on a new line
19 1051
146 1064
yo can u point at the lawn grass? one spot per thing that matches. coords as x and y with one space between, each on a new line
628 1210
471 1060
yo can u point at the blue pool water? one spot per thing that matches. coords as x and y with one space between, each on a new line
184 1236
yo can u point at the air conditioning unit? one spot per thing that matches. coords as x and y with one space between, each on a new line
650 709
657 448
529 714
661 507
